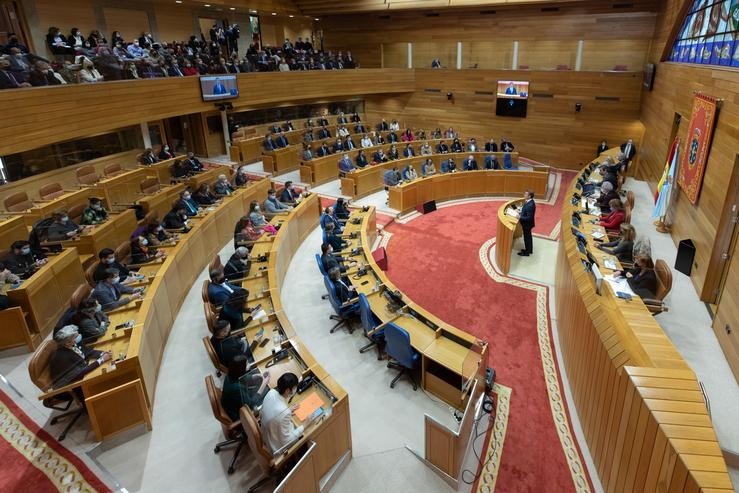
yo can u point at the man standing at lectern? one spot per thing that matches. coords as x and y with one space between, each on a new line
526 219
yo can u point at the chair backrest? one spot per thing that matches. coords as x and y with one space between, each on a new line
563 67
50 191
213 357
630 199
627 215
214 396
86 175
257 446
75 212
90 273
523 67
320 265
80 294
215 263
149 185
113 169
204 291
38 366
664 279
332 297
398 346
369 320
507 161
211 316
123 252
621 68
17 202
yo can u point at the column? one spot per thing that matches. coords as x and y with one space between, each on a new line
145 135
578 60
410 55
459 55
514 59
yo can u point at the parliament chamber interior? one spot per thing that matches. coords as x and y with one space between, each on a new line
369 246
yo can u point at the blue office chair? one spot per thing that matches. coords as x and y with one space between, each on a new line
507 161
343 311
369 322
398 348
323 272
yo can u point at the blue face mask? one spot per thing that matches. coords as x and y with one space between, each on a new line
78 339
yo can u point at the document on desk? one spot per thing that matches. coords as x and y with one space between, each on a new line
512 212
619 284
308 405
597 234
609 263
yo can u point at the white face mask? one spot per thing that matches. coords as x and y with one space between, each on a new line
99 307
110 261
25 251
256 209
144 242
65 219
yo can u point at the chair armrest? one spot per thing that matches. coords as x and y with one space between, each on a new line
350 302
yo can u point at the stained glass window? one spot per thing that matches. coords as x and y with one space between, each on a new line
709 35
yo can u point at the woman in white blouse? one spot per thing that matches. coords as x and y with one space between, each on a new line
89 73
426 149
366 141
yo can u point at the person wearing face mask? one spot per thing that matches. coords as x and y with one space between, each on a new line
242 177
289 195
223 187
108 261
109 292
94 213
219 290
135 50
89 73
641 278
90 319
277 424
22 260
6 277
76 40
141 252
70 360
176 218
63 228
203 196
57 42
258 219
272 206
238 265
192 163
43 75
187 203
330 261
165 153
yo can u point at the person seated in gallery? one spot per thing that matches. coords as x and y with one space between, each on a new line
491 146
142 252
491 162
394 126
109 292
359 128
329 217
269 143
176 218
187 203
90 319
282 140
238 265
641 277
154 232
408 151
607 193
338 146
613 219
366 141
258 219
623 246
392 177
349 144
222 187
272 206
148 158
179 169
506 146
377 139
289 195
203 197
165 152
226 346
442 148
219 289
63 228
69 362
379 156
383 126
234 308
324 132
361 159
409 173
193 163
307 152
341 211
457 145
448 166
408 136
426 149
22 260
472 145
470 164
450 134
324 150
108 261
392 137
342 131
393 153
243 386
428 168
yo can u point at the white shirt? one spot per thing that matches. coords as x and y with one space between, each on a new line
394 126
366 142
278 428
343 131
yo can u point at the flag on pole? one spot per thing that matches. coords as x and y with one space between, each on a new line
666 183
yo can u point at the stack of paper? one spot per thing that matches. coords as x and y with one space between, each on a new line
619 284
597 234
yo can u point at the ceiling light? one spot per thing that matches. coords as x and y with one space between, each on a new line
232 8
206 5
253 11
291 16
177 1
274 13
316 19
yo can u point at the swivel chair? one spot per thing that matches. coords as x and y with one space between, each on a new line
369 323
398 347
323 272
343 311
232 430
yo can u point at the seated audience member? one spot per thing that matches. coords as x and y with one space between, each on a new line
288 126
341 211
613 219
344 290
393 153
108 261
428 168
241 177
148 158
409 173
289 195
421 134
219 290
187 203
408 136
258 219
329 260
472 145
345 164
109 292
356 118
449 134
269 143
506 145
176 218
426 149
324 150
272 206
6 277
94 213
90 319
641 278
88 73
63 228
203 196
491 146
377 139
242 387
277 424
448 166
57 42
623 246
392 137
238 265
165 152
142 252
349 143
456 146
338 146
308 136
469 164
307 152
193 163
69 363
222 187
22 260
379 156
603 147
228 346
442 148
607 193
342 131
43 75
436 63
408 151
179 169
394 126
491 162
232 310
324 132
359 128
334 239
281 140
437 134
383 126
392 177
153 231
323 121
329 216
361 159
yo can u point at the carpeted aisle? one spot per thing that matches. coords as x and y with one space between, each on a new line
32 460
435 260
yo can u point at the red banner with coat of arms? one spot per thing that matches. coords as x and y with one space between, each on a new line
697 145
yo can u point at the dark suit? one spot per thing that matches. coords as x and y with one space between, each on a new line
324 133
469 164
66 365
219 293
645 285
391 137
382 127
323 151
329 262
21 265
361 161
442 148
282 141
601 148
269 144
506 146
288 196
342 291
99 273
631 151
491 147
526 219
228 348
491 162
408 152
236 269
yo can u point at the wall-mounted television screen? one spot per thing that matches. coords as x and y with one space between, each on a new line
217 87
513 89
511 107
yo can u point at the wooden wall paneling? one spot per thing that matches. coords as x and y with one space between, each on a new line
130 22
72 13
174 22
496 54
395 55
547 54
602 55
425 52
726 321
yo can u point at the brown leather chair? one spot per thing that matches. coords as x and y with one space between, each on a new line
50 191
150 186
231 429
75 212
86 175
139 158
220 367
123 255
80 294
621 68
38 370
211 316
18 202
664 286
269 464
113 169
90 273
204 291
630 199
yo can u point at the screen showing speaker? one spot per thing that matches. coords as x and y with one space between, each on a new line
217 87
514 89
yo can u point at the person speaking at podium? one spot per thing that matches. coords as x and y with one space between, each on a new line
526 220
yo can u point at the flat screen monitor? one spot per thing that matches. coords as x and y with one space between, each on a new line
514 89
218 87
511 107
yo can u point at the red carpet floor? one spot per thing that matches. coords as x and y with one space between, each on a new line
32 460
435 260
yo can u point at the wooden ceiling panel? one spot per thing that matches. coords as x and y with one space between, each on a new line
328 7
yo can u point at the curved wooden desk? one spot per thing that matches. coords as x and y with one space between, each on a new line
508 230
462 184
640 405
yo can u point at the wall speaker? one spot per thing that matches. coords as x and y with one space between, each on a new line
578 107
